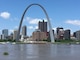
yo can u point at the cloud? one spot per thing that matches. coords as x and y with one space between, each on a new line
30 27
73 22
54 28
36 27
45 19
5 15
34 20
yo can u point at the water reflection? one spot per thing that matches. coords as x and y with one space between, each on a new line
40 52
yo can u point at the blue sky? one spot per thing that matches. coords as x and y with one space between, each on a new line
62 13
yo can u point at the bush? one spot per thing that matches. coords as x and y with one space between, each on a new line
8 40
6 53
47 40
65 41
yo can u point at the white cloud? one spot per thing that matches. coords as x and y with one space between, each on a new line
73 22
36 27
45 19
34 20
30 27
5 15
54 28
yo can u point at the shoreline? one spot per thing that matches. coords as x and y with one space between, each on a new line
42 42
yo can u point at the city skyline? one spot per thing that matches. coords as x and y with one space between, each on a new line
62 13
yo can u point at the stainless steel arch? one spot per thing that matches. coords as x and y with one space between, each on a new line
51 33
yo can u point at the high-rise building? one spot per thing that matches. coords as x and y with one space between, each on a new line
59 29
2 37
15 34
5 33
78 35
42 26
60 33
74 34
67 34
24 31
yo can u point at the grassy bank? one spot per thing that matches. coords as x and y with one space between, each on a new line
44 41
67 41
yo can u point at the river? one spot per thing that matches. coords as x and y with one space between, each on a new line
40 52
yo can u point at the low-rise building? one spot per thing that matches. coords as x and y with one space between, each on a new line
39 36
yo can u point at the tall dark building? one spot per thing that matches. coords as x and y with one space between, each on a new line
24 31
67 34
42 26
58 29
74 34
60 33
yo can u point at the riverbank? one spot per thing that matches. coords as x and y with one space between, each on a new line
40 42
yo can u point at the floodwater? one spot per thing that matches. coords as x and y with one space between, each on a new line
40 52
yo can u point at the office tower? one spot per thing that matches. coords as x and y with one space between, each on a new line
67 34
42 26
78 35
74 34
59 29
15 34
24 32
38 35
60 33
5 33
2 37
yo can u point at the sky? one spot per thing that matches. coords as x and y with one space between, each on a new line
62 13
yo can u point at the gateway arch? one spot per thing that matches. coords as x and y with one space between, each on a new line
49 24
